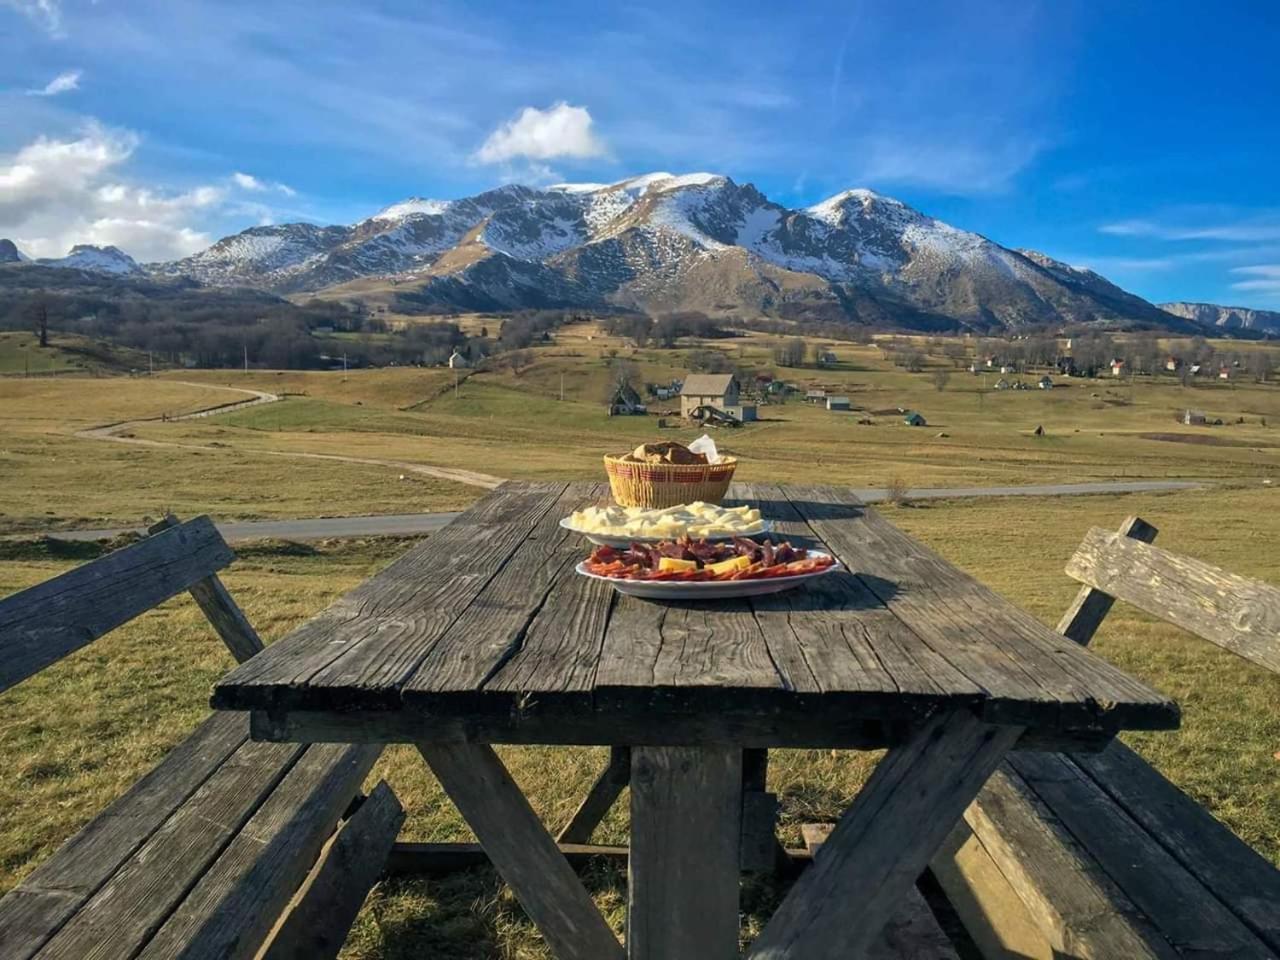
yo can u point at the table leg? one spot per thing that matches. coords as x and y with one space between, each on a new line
760 847
522 851
686 805
885 840
602 795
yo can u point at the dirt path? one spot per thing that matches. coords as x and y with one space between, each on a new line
119 433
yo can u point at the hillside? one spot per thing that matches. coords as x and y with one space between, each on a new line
662 242
1228 318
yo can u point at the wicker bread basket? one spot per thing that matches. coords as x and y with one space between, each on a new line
657 485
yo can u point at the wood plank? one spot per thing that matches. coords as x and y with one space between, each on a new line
492 629
912 932
1077 907
439 859
42 624
1031 675
989 909
39 906
682 880
227 618
836 636
315 924
1234 612
809 724
522 851
1086 613
600 798
1246 882
222 612
237 900
885 840
360 650
1183 910
123 914
655 652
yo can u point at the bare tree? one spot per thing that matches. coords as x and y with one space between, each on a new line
1261 365
940 378
40 319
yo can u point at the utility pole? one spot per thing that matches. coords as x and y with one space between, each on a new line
246 357
344 366
562 386
151 366
456 380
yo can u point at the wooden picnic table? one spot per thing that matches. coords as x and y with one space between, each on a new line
484 634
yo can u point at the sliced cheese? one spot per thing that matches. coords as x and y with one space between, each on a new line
729 566
675 564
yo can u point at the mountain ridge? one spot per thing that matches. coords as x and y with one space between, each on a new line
1230 318
661 241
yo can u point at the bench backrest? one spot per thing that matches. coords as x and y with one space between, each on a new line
1234 612
44 623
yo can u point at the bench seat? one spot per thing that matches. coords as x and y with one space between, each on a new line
197 860
1104 857
1098 855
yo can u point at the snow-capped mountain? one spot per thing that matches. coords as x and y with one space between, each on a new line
84 256
666 242
1230 318
9 252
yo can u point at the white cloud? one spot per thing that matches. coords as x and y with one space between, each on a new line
56 193
559 131
247 181
47 13
1265 278
1242 231
62 83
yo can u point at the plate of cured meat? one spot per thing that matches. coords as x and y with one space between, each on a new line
689 569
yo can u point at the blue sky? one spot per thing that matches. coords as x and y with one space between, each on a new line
1137 138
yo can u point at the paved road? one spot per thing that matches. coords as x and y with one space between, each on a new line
409 524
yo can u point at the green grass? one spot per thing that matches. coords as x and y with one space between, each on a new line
21 353
79 734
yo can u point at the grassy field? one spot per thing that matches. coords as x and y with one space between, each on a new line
20 354
518 426
82 732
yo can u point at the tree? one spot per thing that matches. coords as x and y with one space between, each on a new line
40 319
1261 365
519 360
940 378
789 353
913 361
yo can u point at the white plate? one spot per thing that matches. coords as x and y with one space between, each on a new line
709 589
603 540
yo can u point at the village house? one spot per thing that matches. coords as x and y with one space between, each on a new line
1224 373
1194 418
625 402
815 396
1002 384
457 361
826 358
913 419
1117 368
1195 369
837 403
1008 368
1172 364
718 390
1044 383
1066 366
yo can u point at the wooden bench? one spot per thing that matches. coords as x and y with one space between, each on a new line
227 849
1098 855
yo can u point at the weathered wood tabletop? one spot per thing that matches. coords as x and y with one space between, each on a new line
484 634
